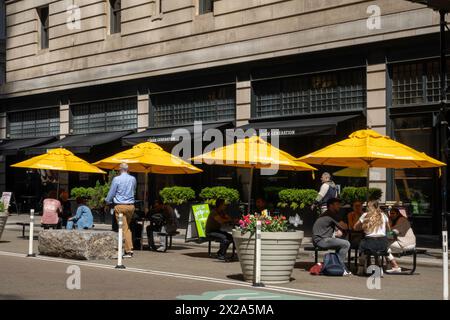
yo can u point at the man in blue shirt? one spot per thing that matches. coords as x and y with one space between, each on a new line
83 217
121 194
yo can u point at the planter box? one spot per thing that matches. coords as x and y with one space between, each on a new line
279 252
3 219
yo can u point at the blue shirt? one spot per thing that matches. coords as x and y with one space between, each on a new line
83 217
122 189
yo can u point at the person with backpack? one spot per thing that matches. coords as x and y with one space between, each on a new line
164 220
327 232
328 190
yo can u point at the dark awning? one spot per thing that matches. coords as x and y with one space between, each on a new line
300 127
164 135
80 143
12 146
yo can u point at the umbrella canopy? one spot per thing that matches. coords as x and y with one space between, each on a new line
253 152
148 157
351 172
367 148
58 159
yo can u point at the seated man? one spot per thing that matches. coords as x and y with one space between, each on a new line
403 237
261 205
163 220
52 209
327 231
83 217
217 221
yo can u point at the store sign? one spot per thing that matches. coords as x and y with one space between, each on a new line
197 222
163 139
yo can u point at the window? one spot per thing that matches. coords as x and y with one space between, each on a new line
115 8
185 107
33 123
104 116
43 26
417 83
205 6
310 94
2 42
2 20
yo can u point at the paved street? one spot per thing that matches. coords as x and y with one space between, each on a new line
186 272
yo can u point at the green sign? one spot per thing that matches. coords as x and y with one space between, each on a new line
244 294
201 213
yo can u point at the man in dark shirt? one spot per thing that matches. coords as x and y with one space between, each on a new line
327 230
216 219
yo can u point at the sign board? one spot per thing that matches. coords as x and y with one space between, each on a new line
198 216
6 199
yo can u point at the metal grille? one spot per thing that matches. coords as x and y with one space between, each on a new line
417 83
33 123
181 108
104 116
311 94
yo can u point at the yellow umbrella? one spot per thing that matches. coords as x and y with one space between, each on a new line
351 172
253 152
59 159
148 157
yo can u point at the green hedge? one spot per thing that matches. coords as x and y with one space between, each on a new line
351 194
211 194
97 194
177 195
297 198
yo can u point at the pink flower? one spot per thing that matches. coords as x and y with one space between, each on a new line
267 222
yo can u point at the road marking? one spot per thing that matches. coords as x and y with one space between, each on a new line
186 277
241 294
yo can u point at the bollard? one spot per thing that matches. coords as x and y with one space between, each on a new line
445 264
31 236
119 251
257 268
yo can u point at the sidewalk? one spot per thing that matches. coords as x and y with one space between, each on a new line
432 257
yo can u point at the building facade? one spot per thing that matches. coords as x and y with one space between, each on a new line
96 75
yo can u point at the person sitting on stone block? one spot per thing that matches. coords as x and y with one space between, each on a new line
83 217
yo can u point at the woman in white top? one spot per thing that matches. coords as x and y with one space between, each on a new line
374 223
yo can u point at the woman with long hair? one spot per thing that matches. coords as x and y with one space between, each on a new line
375 224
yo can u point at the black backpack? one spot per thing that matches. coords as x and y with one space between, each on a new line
332 265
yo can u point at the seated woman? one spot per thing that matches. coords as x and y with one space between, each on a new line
404 238
353 217
51 211
83 217
217 220
374 223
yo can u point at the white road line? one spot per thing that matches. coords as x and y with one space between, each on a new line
187 277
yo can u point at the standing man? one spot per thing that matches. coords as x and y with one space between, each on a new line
327 191
121 194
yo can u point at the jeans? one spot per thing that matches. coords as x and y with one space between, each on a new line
225 240
340 245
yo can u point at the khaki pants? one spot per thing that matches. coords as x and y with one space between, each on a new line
127 210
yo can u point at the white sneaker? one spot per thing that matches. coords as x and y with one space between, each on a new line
347 273
394 270
161 249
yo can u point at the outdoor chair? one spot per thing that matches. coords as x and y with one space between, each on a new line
210 239
379 257
410 252
168 237
50 226
316 252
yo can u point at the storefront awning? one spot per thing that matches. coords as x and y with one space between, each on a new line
80 143
299 127
12 146
164 135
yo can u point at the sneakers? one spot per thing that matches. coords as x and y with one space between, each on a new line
221 257
161 249
128 255
394 270
347 273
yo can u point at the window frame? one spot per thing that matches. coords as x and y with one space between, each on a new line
115 17
34 115
205 7
44 27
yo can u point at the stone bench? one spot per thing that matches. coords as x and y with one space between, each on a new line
80 245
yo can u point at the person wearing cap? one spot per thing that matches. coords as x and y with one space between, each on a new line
403 237
83 217
121 195
328 190
327 231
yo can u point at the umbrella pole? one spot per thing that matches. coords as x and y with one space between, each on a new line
250 185
57 185
145 193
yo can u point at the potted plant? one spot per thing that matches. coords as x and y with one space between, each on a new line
351 194
3 217
231 196
279 247
295 202
179 198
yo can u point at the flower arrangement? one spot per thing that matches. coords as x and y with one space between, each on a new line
268 223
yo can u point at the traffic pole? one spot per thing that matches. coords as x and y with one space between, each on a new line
257 267
31 235
119 250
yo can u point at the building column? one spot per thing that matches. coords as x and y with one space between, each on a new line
376 116
2 158
64 130
143 107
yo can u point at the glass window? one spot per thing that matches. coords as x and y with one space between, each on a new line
185 107
115 10
104 116
205 6
415 186
310 94
44 26
33 123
